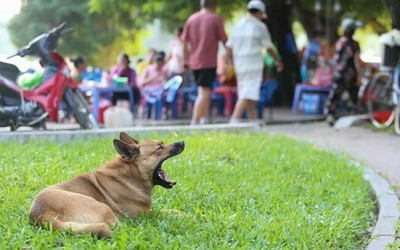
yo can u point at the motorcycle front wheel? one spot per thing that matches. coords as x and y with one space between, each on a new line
78 107
381 103
397 119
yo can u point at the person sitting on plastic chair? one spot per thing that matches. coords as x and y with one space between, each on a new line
152 81
165 96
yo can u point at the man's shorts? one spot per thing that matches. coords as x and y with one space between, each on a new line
205 77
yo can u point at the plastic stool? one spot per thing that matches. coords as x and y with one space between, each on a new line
305 87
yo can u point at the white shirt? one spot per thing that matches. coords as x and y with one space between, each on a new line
249 37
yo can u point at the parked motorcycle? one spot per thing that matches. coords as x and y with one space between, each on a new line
21 107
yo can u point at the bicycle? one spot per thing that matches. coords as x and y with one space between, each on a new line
383 94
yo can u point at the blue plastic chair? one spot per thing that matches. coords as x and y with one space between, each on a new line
155 99
171 88
93 74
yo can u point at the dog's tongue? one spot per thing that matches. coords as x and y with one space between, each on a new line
163 175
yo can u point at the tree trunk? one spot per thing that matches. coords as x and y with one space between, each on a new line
279 24
394 7
326 20
310 20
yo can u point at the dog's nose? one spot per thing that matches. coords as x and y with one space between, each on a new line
180 144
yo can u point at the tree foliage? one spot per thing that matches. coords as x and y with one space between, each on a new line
90 31
135 12
99 25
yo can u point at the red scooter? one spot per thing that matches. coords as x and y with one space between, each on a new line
19 107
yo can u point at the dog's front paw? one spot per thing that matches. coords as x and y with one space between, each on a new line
103 231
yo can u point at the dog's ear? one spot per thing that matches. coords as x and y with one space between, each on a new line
127 139
127 152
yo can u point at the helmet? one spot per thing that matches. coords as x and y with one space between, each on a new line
351 24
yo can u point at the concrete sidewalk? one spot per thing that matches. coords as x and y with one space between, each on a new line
277 115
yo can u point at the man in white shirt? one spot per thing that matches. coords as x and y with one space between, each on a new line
245 48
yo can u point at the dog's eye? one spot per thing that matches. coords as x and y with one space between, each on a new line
159 149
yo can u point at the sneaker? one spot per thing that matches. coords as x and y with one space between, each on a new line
203 120
233 121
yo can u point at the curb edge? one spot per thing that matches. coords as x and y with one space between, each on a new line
384 230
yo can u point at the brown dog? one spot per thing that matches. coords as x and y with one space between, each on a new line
90 203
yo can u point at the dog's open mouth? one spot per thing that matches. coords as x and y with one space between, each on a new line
163 179
160 177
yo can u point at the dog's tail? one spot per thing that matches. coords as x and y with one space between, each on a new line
100 229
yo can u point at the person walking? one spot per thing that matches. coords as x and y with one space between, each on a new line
346 77
202 33
249 36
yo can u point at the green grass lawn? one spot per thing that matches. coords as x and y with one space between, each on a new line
234 190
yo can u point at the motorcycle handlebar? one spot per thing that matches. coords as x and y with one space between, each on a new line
16 54
44 43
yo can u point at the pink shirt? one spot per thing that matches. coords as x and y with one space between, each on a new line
204 30
157 76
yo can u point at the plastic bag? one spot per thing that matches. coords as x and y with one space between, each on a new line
30 80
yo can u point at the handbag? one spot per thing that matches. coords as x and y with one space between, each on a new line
228 76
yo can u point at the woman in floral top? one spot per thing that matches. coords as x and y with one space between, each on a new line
346 77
